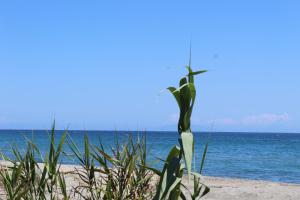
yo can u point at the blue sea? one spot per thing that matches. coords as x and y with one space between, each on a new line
257 156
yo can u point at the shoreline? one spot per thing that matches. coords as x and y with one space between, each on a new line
227 188
66 168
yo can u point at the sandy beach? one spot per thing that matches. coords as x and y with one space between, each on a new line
238 189
225 188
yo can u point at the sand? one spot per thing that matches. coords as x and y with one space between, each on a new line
237 189
232 189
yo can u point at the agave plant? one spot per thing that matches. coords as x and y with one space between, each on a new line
185 96
170 185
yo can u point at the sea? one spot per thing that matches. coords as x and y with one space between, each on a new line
256 156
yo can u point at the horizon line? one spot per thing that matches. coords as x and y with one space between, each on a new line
144 131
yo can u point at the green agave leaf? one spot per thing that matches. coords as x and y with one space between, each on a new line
186 122
197 187
187 140
175 151
185 98
172 189
200 189
182 81
190 74
205 192
176 94
197 72
188 113
168 174
192 92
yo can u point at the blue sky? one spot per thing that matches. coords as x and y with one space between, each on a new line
104 65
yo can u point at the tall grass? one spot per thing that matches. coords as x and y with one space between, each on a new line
118 174
24 178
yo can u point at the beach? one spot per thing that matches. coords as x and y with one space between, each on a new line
240 189
150 100
221 188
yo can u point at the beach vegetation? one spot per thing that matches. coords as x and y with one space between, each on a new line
30 176
119 172
180 157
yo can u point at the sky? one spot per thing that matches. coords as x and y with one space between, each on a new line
104 65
